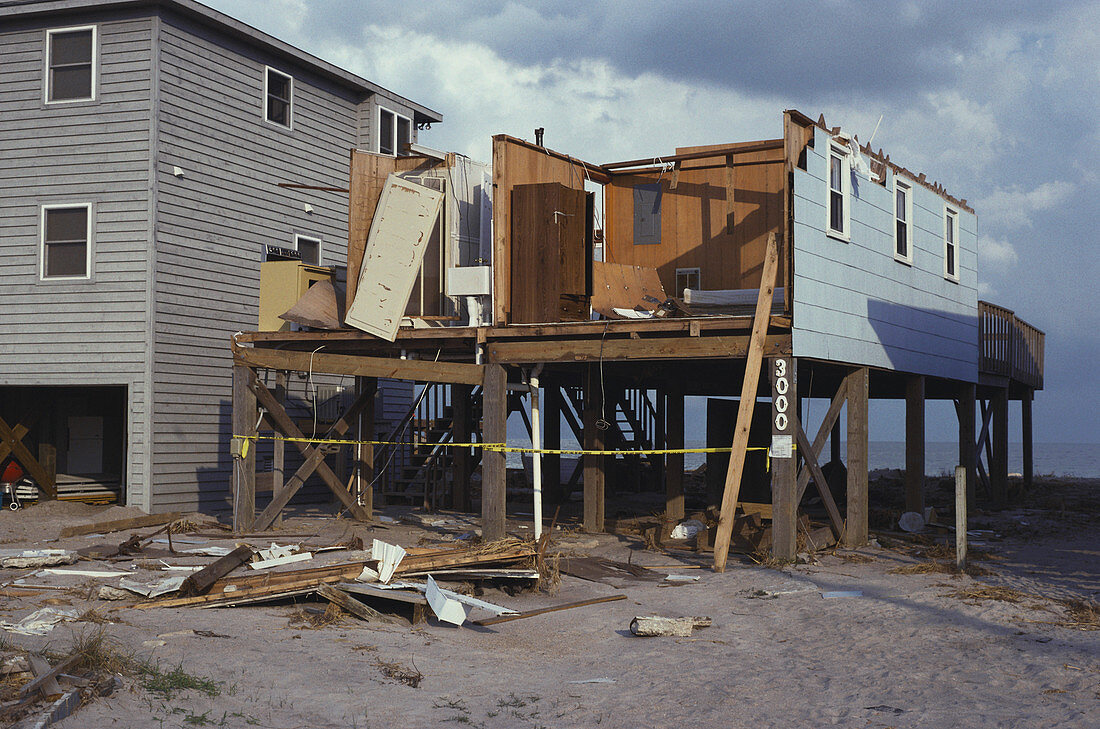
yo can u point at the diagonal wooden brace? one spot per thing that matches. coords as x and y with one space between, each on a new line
20 431
314 457
831 415
810 457
14 443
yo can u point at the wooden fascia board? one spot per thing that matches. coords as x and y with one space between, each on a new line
732 149
595 350
352 365
596 172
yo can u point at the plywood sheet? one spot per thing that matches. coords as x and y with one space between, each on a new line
621 286
399 234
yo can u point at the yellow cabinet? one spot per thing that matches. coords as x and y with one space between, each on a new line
282 283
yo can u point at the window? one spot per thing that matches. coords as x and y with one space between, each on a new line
70 64
950 244
647 214
309 248
687 278
394 133
66 232
903 221
278 98
840 181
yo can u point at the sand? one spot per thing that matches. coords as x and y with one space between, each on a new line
905 652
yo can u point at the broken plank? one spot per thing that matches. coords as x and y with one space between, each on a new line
45 676
554 608
202 580
349 603
118 525
654 625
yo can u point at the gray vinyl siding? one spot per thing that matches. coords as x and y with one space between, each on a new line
212 228
853 302
82 332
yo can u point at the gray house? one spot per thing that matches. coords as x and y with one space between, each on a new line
142 143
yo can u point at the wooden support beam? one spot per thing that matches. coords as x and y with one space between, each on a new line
314 456
461 464
834 439
808 455
594 440
914 444
595 350
753 362
831 420
367 388
856 528
674 468
245 418
551 428
356 366
784 471
29 463
494 472
998 467
18 432
1027 438
278 458
967 454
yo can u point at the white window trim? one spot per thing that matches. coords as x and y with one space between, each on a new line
393 141
908 258
951 218
42 242
268 70
320 246
50 33
845 192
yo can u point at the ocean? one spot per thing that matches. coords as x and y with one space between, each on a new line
1051 459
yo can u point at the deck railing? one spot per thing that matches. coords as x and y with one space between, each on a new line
1009 346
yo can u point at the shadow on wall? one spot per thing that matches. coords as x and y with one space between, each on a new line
924 341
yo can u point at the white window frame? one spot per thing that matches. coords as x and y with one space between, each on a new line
47 85
951 223
320 246
393 140
908 257
690 271
845 192
87 241
268 70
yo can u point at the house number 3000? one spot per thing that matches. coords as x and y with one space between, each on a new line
782 385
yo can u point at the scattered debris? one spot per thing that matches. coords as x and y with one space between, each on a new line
607 571
201 581
389 556
278 561
118 525
551 609
399 673
687 529
445 607
30 558
154 588
107 592
40 622
655 625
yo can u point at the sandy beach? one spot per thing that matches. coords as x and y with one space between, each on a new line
904 642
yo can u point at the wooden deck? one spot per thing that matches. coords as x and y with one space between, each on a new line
1009 347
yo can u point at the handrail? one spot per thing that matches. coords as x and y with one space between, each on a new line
1008 346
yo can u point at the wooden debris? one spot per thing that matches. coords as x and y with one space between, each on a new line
655 625
266 564
353 606
45 676
607 571
201 581
554 608
418 601
118 525
242 589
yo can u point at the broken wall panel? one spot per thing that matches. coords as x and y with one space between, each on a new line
715 215
403 222
516 162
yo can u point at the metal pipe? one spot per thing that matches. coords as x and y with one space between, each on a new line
536 446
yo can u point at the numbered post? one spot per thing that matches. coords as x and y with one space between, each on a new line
784 470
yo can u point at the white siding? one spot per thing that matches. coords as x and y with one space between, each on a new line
853 302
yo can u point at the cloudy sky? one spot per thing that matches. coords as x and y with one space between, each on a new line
997 101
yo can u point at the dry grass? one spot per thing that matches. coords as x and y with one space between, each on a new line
854 557
979 593
399 673
93 616
310 620
1083 615
934 566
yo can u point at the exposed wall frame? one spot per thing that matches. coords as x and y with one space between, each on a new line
289 100
88 240
47 84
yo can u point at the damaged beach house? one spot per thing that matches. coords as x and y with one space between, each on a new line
206 300
597 296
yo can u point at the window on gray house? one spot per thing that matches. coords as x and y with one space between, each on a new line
280 98
404 135
65 241
71 65
386 123
309 249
